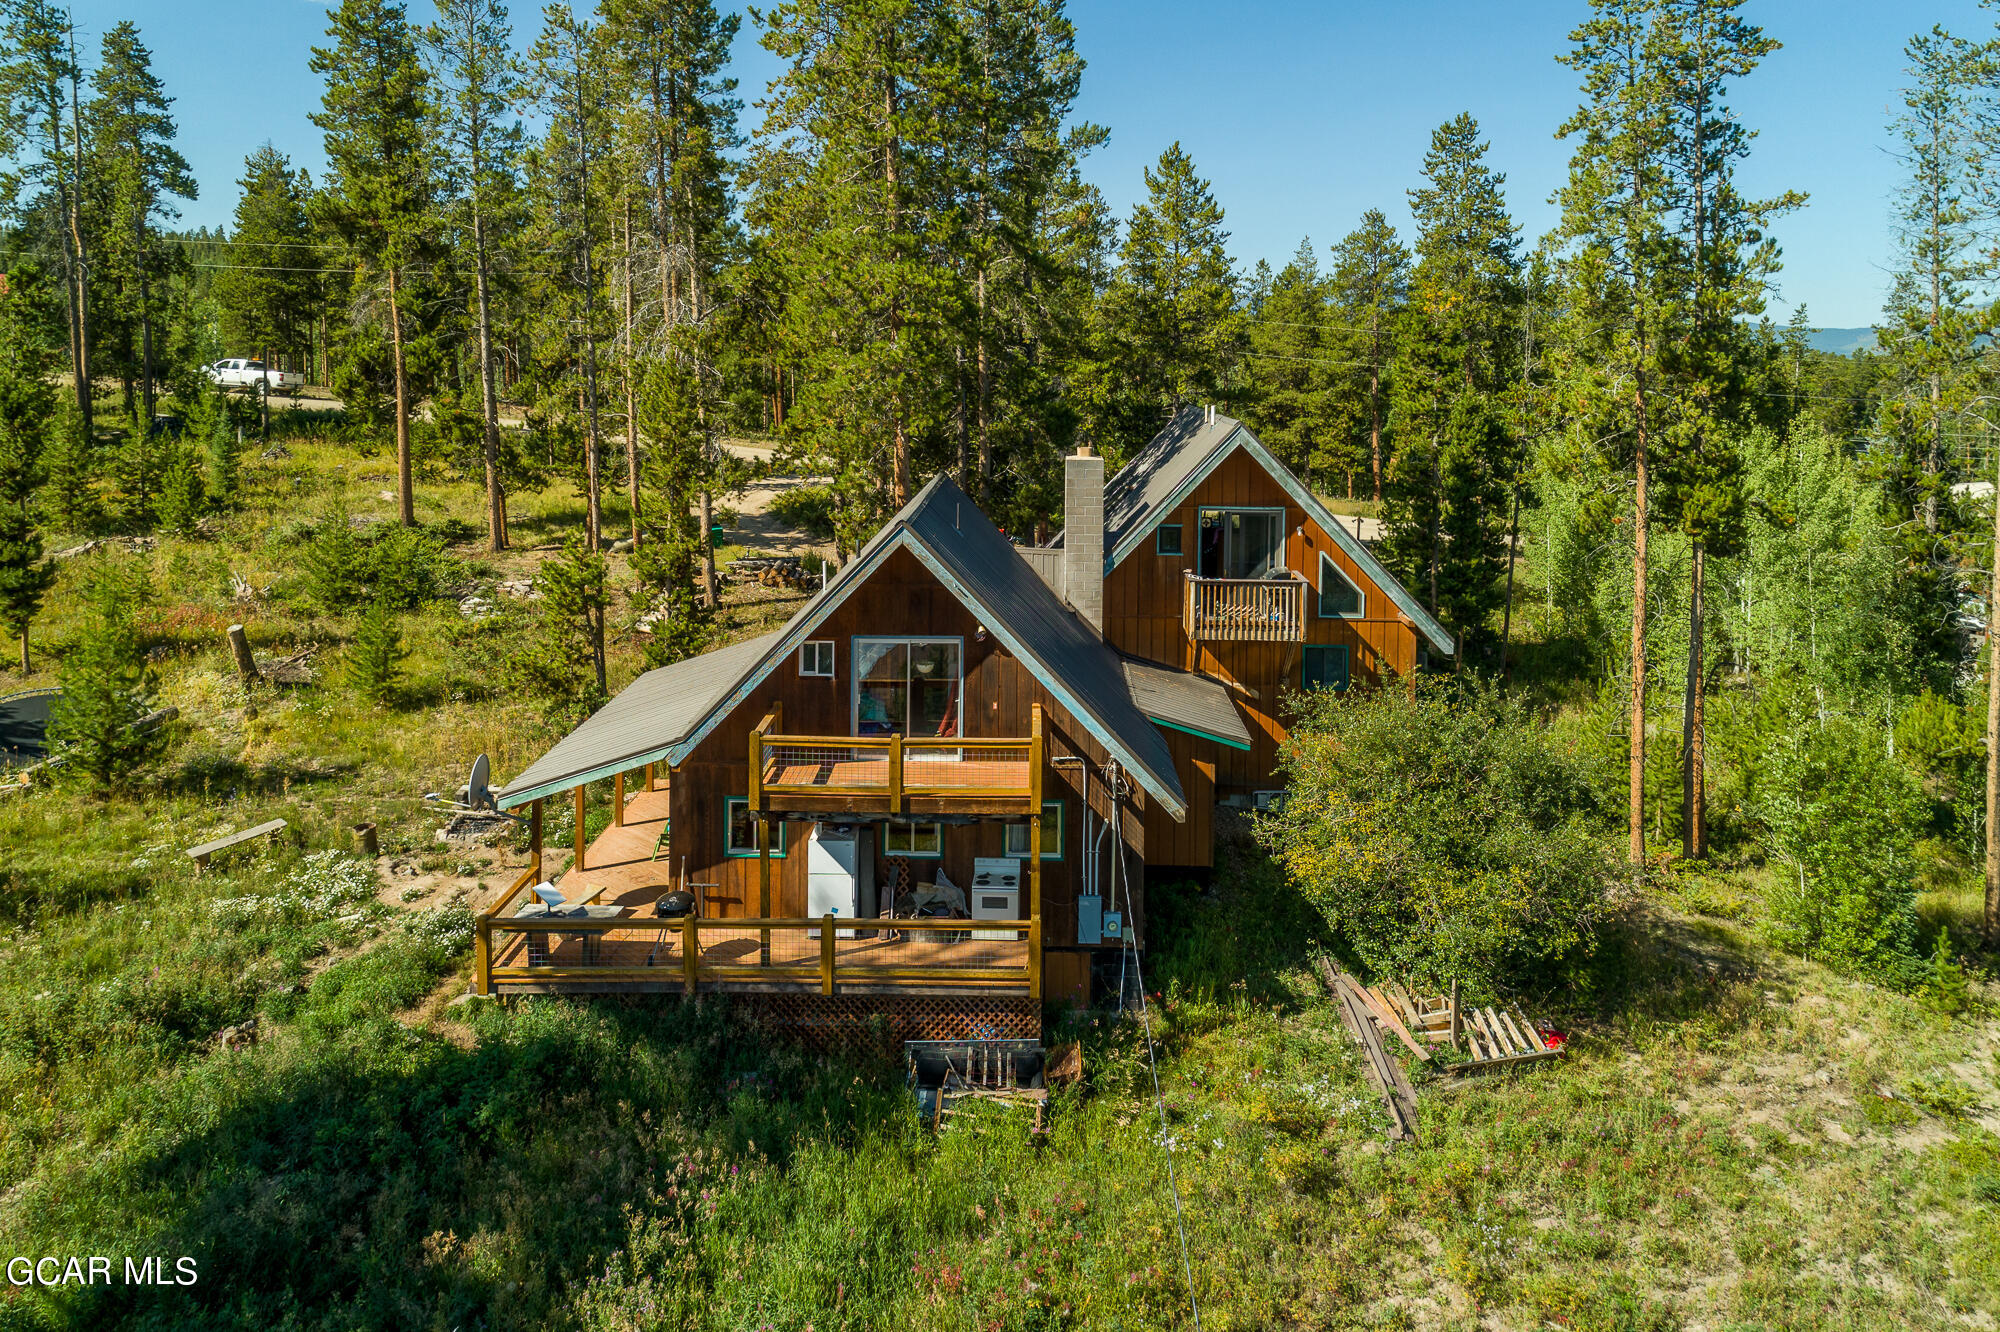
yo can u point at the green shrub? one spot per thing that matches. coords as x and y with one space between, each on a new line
1842 817
182 496
107 689
1442 832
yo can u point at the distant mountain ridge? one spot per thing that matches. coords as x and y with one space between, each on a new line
1840 341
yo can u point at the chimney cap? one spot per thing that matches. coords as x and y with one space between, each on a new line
1083 451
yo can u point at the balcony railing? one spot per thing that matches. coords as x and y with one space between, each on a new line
1246 610
893 773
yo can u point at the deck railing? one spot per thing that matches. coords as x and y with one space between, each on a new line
694 954
890 769
1246 610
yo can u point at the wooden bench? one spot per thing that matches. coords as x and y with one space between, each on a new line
200 854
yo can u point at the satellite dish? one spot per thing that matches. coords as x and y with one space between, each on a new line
477 794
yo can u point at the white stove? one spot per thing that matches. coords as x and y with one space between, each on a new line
995 894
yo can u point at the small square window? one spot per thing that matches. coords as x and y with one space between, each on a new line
1167 539
742 830
923 840
816 658
1325 667
1016 843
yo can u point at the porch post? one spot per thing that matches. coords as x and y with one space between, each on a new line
579 825
618 800
1035 904
652 776
763 888
535 836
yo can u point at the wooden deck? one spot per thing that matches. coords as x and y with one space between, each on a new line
630 865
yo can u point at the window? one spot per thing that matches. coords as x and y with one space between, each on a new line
816 657
1339 599
908 686
1167 540
1325 667
1052 834
924 840
742 830
1242 543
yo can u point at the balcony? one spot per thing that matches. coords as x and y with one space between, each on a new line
1245 610
894 774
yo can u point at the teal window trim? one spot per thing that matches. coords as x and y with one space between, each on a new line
729 807
882 839
1324 677
1050 808
1328 569
1160 545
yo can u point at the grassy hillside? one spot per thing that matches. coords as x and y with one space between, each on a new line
1737 1140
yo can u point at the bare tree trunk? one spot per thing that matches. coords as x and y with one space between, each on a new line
631 388
1694 805
985 397
1507 616
1992 921
902 483
1636 829
489 397
406 499
84 384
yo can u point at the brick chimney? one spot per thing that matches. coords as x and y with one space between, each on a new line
1083 536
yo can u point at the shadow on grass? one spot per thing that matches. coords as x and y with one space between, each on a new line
374 1178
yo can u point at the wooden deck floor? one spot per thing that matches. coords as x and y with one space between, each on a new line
618 867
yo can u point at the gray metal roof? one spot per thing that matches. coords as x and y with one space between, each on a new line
1197 704
946 531
1164 473
1069 657
639 726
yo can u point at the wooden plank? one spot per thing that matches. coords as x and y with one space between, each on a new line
200 854
1506 1041
1505 1061
1380 1008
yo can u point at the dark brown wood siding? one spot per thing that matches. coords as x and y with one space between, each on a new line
902 598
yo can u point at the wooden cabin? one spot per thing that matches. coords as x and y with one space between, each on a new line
935 795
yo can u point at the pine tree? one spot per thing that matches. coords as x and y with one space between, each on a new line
1445 506
667 559
107 689
572 86
27 405
479 83
40 136
131 134
1172 303
1370 287
559 656
1290 368
1729 255
268 305
70 464
375 114
374 662
1623 282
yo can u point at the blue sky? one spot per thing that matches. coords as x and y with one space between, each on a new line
1302 114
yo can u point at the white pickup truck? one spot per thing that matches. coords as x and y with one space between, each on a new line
244 374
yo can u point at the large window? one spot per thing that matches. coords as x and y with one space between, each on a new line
1052 834
1325 666
1339 598
742 833
908 686
1242 543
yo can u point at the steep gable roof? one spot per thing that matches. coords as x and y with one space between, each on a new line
1161 476
948 533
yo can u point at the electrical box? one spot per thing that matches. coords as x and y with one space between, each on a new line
1089 918
1114 925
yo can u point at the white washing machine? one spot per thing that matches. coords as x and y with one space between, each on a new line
995 894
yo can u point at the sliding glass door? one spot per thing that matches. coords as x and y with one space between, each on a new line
908 686
1242 543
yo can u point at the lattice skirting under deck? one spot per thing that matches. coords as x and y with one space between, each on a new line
851 1020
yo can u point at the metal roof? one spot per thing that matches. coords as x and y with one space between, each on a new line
639 726
1184 701
949 534
1161 476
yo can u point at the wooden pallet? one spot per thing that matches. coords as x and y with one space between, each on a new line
1499 1039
